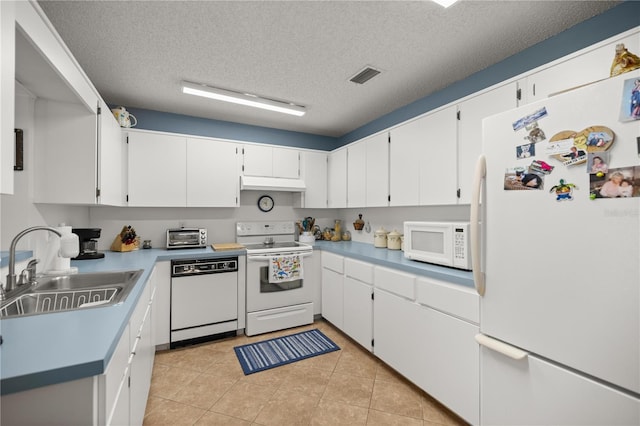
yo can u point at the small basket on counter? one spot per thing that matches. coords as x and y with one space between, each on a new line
127 240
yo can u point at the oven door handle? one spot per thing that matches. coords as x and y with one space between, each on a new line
267 256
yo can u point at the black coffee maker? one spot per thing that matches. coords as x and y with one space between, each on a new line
88 243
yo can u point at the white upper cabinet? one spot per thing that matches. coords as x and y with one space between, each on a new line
65 153
589 65
33 23
314 173
378 170
286 163
337 179
357 174
437 156
157 170
270 161
212 171
112 155
7 95
174 171
368 172
471 112
423 160
77 142
404 164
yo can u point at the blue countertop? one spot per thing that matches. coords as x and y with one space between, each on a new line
41 350
395 259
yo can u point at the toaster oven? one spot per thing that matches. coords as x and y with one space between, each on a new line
186 238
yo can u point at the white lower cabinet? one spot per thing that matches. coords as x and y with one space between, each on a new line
397 341
347 296
535 392
358 302
117 397
332 288
162 304
425 330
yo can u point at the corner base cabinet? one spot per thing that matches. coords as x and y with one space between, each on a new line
117 397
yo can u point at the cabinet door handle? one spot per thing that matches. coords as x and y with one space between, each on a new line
501 347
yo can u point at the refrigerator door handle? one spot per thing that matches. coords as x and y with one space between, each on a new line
501 347
474 227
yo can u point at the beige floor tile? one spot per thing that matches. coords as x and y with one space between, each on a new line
204 390
330 413
357 362
272 377
292 409
230 369
349 390
379 418
326 361
166 381
152 403
216 419
173 413
346 387
388 374
340 339
434 412
243 401
305 381
397 398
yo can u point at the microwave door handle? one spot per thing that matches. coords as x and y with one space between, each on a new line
474 227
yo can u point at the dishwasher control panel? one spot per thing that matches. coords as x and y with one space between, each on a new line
184 267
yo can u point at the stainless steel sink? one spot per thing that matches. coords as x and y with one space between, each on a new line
70 292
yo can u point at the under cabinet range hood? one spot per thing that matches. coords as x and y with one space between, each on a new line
271 184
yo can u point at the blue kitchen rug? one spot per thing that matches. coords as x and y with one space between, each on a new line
283 350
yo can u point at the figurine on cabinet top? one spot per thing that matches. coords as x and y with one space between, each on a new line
624 61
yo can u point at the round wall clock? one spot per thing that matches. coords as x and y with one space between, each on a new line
265 203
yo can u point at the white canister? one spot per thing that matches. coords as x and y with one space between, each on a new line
380 238
307 238
393 240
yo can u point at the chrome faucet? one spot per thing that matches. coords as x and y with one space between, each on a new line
11 276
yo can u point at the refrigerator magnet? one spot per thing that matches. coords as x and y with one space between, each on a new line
570 147
535 133
630 102
598 163
563 190
540 167
622 182
528 119
519 179
526 150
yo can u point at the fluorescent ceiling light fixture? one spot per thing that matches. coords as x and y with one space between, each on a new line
242 98
445 3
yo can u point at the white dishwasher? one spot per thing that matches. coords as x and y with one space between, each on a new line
204 299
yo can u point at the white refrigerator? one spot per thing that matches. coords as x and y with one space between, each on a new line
557 259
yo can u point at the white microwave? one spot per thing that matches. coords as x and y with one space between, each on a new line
442 243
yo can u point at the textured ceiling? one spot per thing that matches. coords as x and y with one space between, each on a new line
137 52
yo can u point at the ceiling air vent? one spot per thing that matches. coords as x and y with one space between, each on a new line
365 75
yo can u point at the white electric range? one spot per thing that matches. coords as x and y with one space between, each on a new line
274 305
